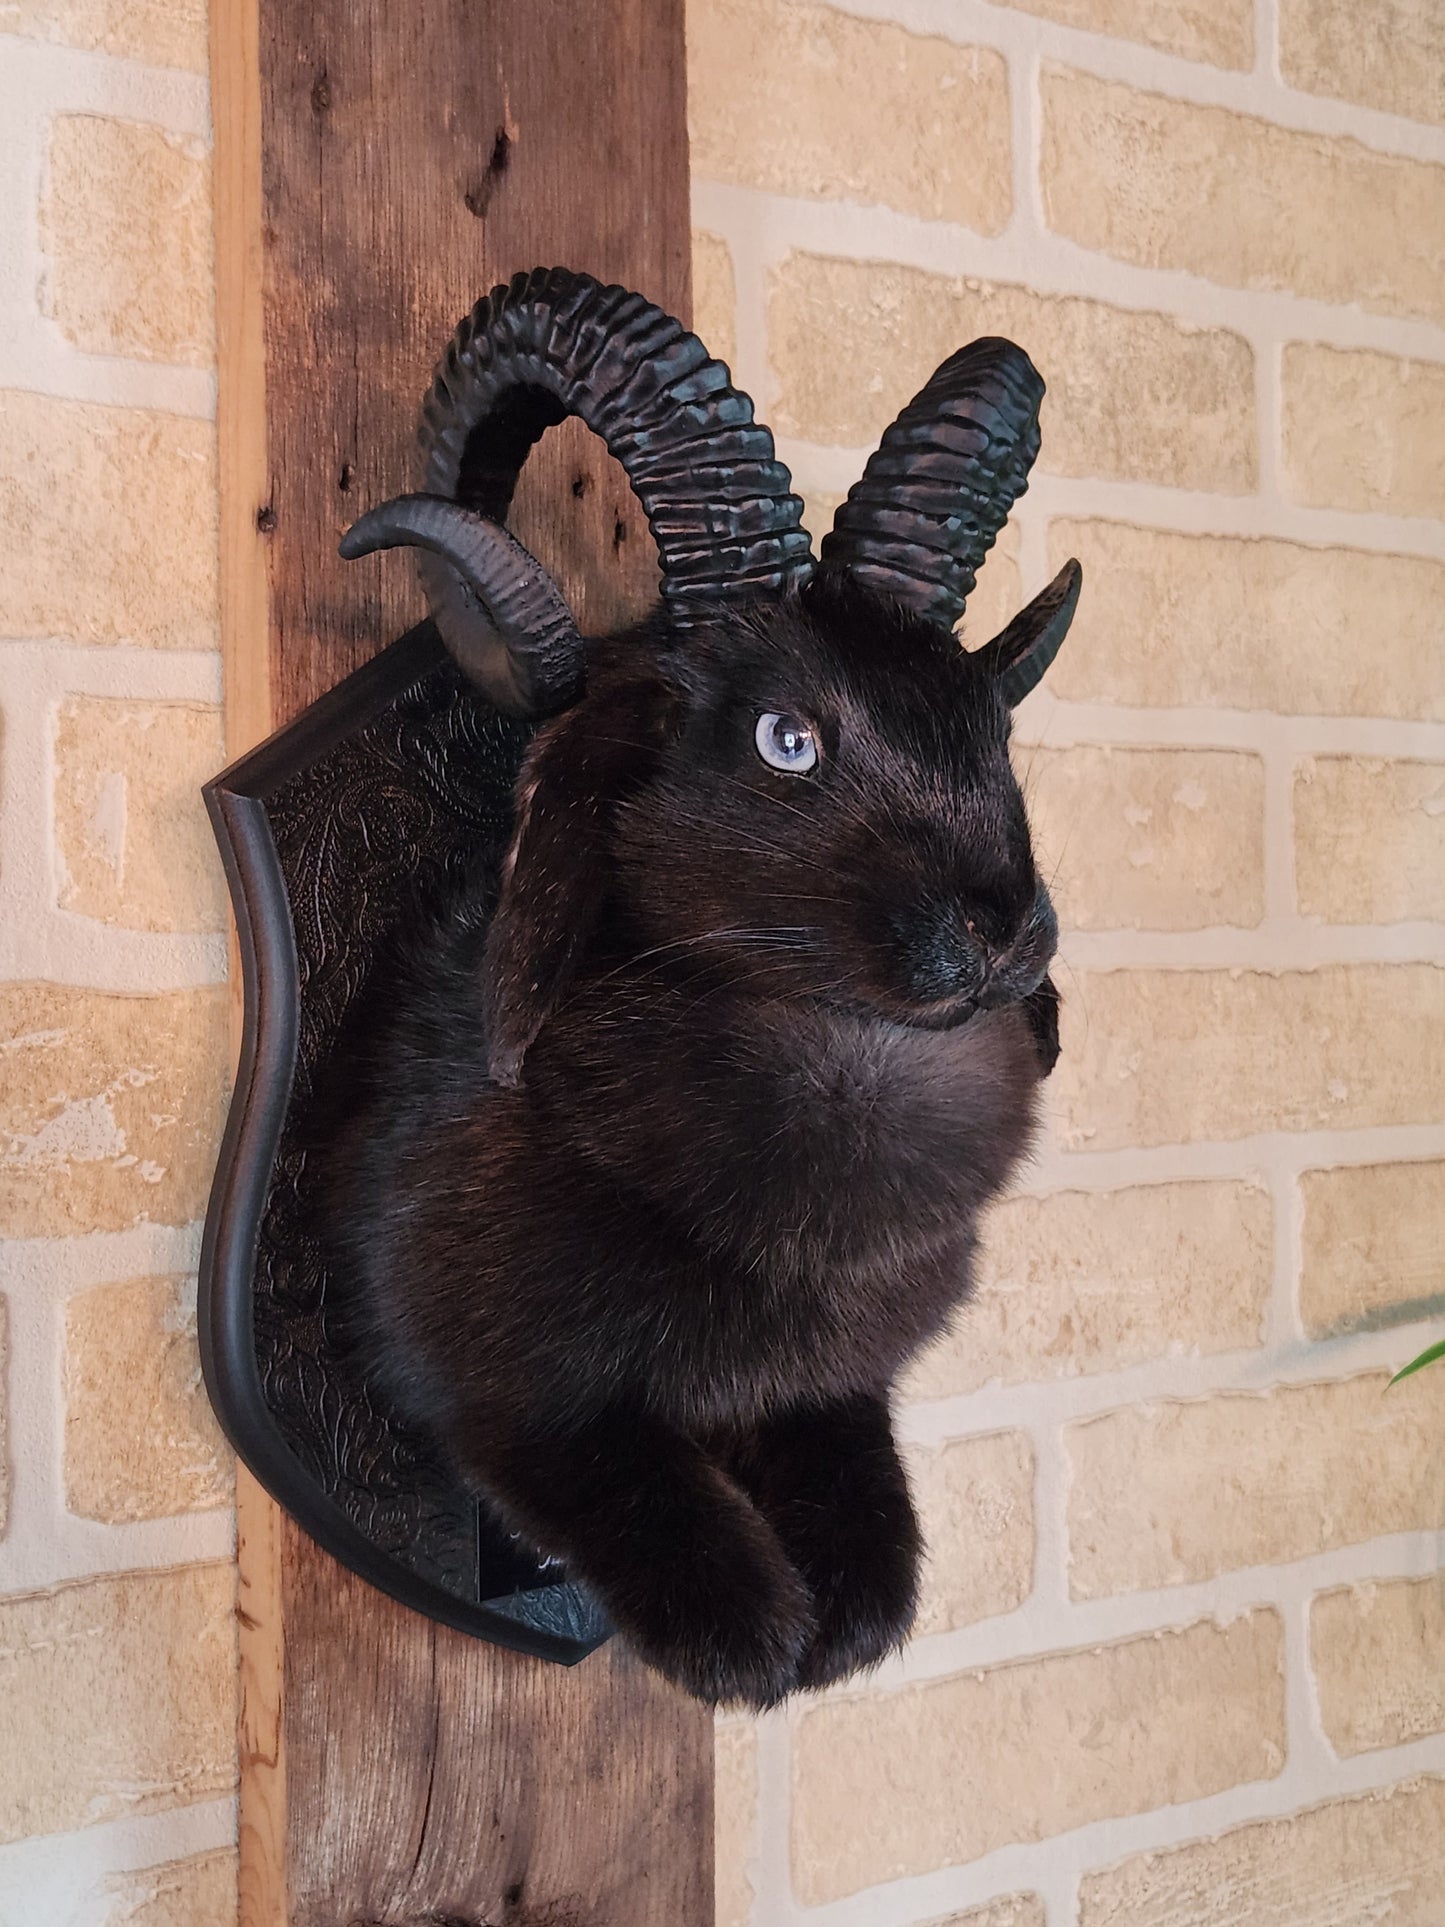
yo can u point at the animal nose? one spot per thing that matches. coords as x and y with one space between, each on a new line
950 960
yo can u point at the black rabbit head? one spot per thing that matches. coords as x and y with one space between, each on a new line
830 812
793 777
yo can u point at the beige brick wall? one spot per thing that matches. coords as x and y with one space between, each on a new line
1379 1858
117 1646
1180 1651
1178 1660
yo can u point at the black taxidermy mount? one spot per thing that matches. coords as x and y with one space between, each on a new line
635 1028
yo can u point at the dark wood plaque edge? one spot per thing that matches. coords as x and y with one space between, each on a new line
255 1123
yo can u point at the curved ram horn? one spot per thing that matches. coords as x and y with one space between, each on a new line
1020 653
498 611
553 344
918 523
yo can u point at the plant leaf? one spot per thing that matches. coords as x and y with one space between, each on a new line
1427 1357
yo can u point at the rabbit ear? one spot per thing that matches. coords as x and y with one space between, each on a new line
1019 654
556 874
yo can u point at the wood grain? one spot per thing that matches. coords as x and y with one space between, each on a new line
412 159
377 169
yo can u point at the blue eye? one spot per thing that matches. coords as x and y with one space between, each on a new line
786 743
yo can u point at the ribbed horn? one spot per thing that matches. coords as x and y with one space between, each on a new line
918 523
498 611
553 344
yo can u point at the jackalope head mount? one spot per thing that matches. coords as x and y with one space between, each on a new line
637 1025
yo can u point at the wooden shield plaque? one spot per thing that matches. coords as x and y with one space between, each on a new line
338 833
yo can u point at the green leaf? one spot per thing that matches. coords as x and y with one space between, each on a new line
1427 1357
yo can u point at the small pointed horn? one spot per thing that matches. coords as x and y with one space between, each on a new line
499 612
1020 653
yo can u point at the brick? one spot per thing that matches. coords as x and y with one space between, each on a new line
1178 1491
1219 31
735 1819
199 1892
1378 1652
1248 624
1397 66
110 1107
1360 430
131 832
1095 1281
126 220
1148 839
1174 1056
112 515
1372 1253
1166 183
154 1652
714 296
819 508
1016 1910
1023 1751
4 1414
1377 1859
133 1375
975 1500
790 98
1369 839
166 33
1133 396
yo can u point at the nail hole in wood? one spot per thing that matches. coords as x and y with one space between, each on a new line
479 198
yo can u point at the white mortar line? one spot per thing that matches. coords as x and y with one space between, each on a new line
62 79
1063 1859
1053 1169
69 1550
1176 1376
1308 1753
1256 93
1269 414
1050 1589
1285 1325
1152 505
61 948
1049 264
56 1267
1266 43
47 671
1280 900
45 1544
64 1879
769 1865
39 80
1278 945
750 282
1045 719
39 939
22 146
35 358
1028 226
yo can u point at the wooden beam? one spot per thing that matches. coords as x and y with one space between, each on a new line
377 168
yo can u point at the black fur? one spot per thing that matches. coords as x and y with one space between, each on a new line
668 1168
